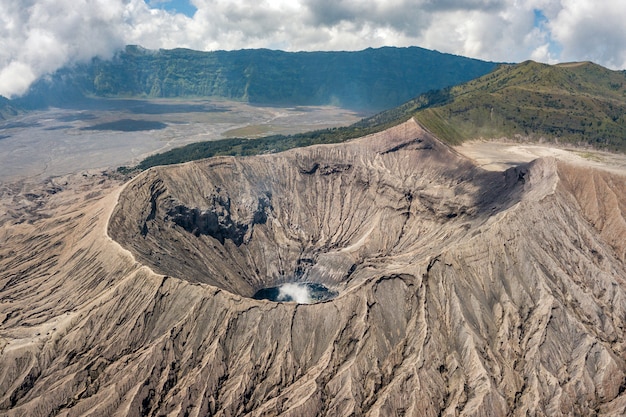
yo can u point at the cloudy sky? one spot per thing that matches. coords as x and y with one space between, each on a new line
39 36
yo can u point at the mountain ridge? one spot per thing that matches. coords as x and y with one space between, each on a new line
578 103
368 79
8 108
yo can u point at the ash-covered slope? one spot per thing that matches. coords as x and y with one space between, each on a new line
461 291
318 214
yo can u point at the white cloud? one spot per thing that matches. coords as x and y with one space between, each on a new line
15 77
39 36
591 30
294 292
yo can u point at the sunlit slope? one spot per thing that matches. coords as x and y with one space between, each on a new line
576 103
579 103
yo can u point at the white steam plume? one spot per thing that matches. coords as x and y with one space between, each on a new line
296 292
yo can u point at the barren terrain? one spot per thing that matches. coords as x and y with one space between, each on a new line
461 290
110 133
500 155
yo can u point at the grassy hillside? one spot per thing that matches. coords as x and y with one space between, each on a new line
580 103
369 79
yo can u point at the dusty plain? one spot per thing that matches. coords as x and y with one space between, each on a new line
498 155
61 141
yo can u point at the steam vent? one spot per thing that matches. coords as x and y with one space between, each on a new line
442 290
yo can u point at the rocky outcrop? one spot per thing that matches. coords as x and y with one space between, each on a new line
215 221
460 291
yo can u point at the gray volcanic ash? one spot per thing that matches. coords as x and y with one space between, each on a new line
459 291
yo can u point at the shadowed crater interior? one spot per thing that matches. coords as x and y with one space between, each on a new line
316 221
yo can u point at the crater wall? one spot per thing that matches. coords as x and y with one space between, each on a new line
326 214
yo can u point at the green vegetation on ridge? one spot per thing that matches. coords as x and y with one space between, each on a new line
245 147
580 103
370 79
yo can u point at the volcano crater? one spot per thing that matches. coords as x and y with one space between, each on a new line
330 217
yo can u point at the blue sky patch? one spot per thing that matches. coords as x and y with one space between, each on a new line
173 6
540 18
541 22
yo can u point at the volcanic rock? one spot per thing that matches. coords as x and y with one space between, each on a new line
460 291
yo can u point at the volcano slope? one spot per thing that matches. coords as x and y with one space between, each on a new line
460 291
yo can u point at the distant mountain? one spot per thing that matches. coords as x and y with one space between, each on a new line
369 79
581 103
7 108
